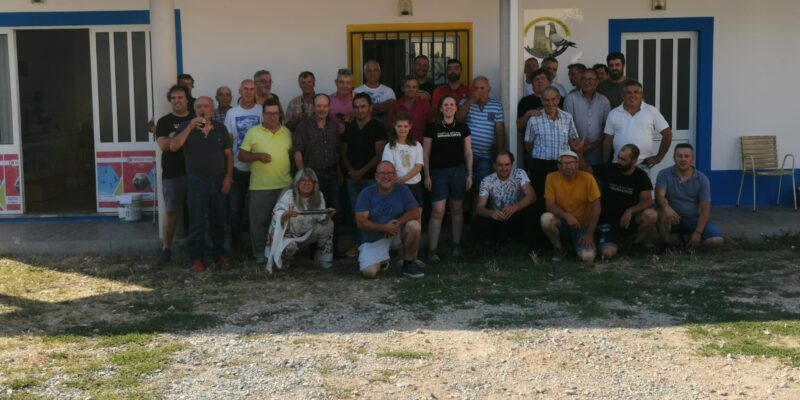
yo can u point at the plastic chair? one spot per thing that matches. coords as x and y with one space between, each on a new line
760 158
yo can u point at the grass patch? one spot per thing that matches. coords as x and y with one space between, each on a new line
128 338
24 382
385 376
765 339
339 392
404 354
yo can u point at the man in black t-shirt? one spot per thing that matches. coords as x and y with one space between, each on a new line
209 175
626 203
173 168
362 147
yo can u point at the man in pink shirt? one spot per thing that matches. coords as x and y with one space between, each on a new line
415 104
341 105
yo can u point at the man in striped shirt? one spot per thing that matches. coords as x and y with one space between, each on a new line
484 116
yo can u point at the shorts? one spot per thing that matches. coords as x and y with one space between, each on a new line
610 234
687 226
567 234
174 190
449 183
371 253
418 191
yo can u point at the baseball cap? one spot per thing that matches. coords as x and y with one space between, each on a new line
568 153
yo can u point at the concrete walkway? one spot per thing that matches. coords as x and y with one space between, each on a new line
111 237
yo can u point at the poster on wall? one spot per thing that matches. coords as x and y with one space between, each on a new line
552 33
122 172
10 196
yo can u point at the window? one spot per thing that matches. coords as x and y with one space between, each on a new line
395 46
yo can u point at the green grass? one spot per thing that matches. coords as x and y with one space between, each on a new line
404 354
24 382
749 339
385 376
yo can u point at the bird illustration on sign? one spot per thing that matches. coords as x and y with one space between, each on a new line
546 39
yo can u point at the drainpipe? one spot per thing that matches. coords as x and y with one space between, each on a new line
165 65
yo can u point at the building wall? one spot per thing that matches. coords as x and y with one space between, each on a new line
754 51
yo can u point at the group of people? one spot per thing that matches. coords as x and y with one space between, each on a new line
583 185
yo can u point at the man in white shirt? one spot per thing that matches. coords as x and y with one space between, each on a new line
636 122
382 95
238 121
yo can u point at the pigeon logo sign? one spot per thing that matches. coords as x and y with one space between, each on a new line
547 33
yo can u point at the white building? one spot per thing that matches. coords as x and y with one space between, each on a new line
76 88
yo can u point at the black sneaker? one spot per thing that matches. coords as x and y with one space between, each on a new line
412 271
165 256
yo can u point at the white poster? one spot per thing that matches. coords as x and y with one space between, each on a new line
552 33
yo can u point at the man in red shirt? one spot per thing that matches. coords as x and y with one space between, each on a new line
453 87
413 103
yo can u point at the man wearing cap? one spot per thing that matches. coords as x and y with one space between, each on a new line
572 199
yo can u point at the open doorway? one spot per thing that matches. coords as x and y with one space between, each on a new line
56 106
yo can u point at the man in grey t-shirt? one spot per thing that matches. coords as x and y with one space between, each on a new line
683 195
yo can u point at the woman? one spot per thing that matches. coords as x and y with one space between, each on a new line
300 219
406 154
447 150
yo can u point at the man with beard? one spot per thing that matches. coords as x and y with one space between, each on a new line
454 87
627 202
572 199
613 86
421 68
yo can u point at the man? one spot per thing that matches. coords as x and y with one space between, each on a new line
209 169
551 65
224 100
636 122
263 80
238 121
415 105
341 101
531 65
173 166
187 82
503 203
421 69
626 204
315 145
573 208
484 116
382 95
529 105
362 147
546 137
602 72
683 195
453 86
575 73
302 106
265 149
590 110
388 217
613 87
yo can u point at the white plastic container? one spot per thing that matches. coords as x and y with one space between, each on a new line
129 207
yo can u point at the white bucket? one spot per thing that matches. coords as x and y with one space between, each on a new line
129 207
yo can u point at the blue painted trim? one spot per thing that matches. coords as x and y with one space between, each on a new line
178 42
725 188
704 26
77 218
89 18
133 17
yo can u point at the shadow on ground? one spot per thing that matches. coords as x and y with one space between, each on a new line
99 296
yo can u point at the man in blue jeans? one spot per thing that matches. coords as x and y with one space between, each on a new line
209 168
362 147
683 195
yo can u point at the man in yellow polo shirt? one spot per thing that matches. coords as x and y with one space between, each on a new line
266 148
572 199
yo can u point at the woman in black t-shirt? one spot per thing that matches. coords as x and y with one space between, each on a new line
447 150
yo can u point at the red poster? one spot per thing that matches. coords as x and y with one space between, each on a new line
10 199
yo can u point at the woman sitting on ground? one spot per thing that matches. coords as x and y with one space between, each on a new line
298 220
